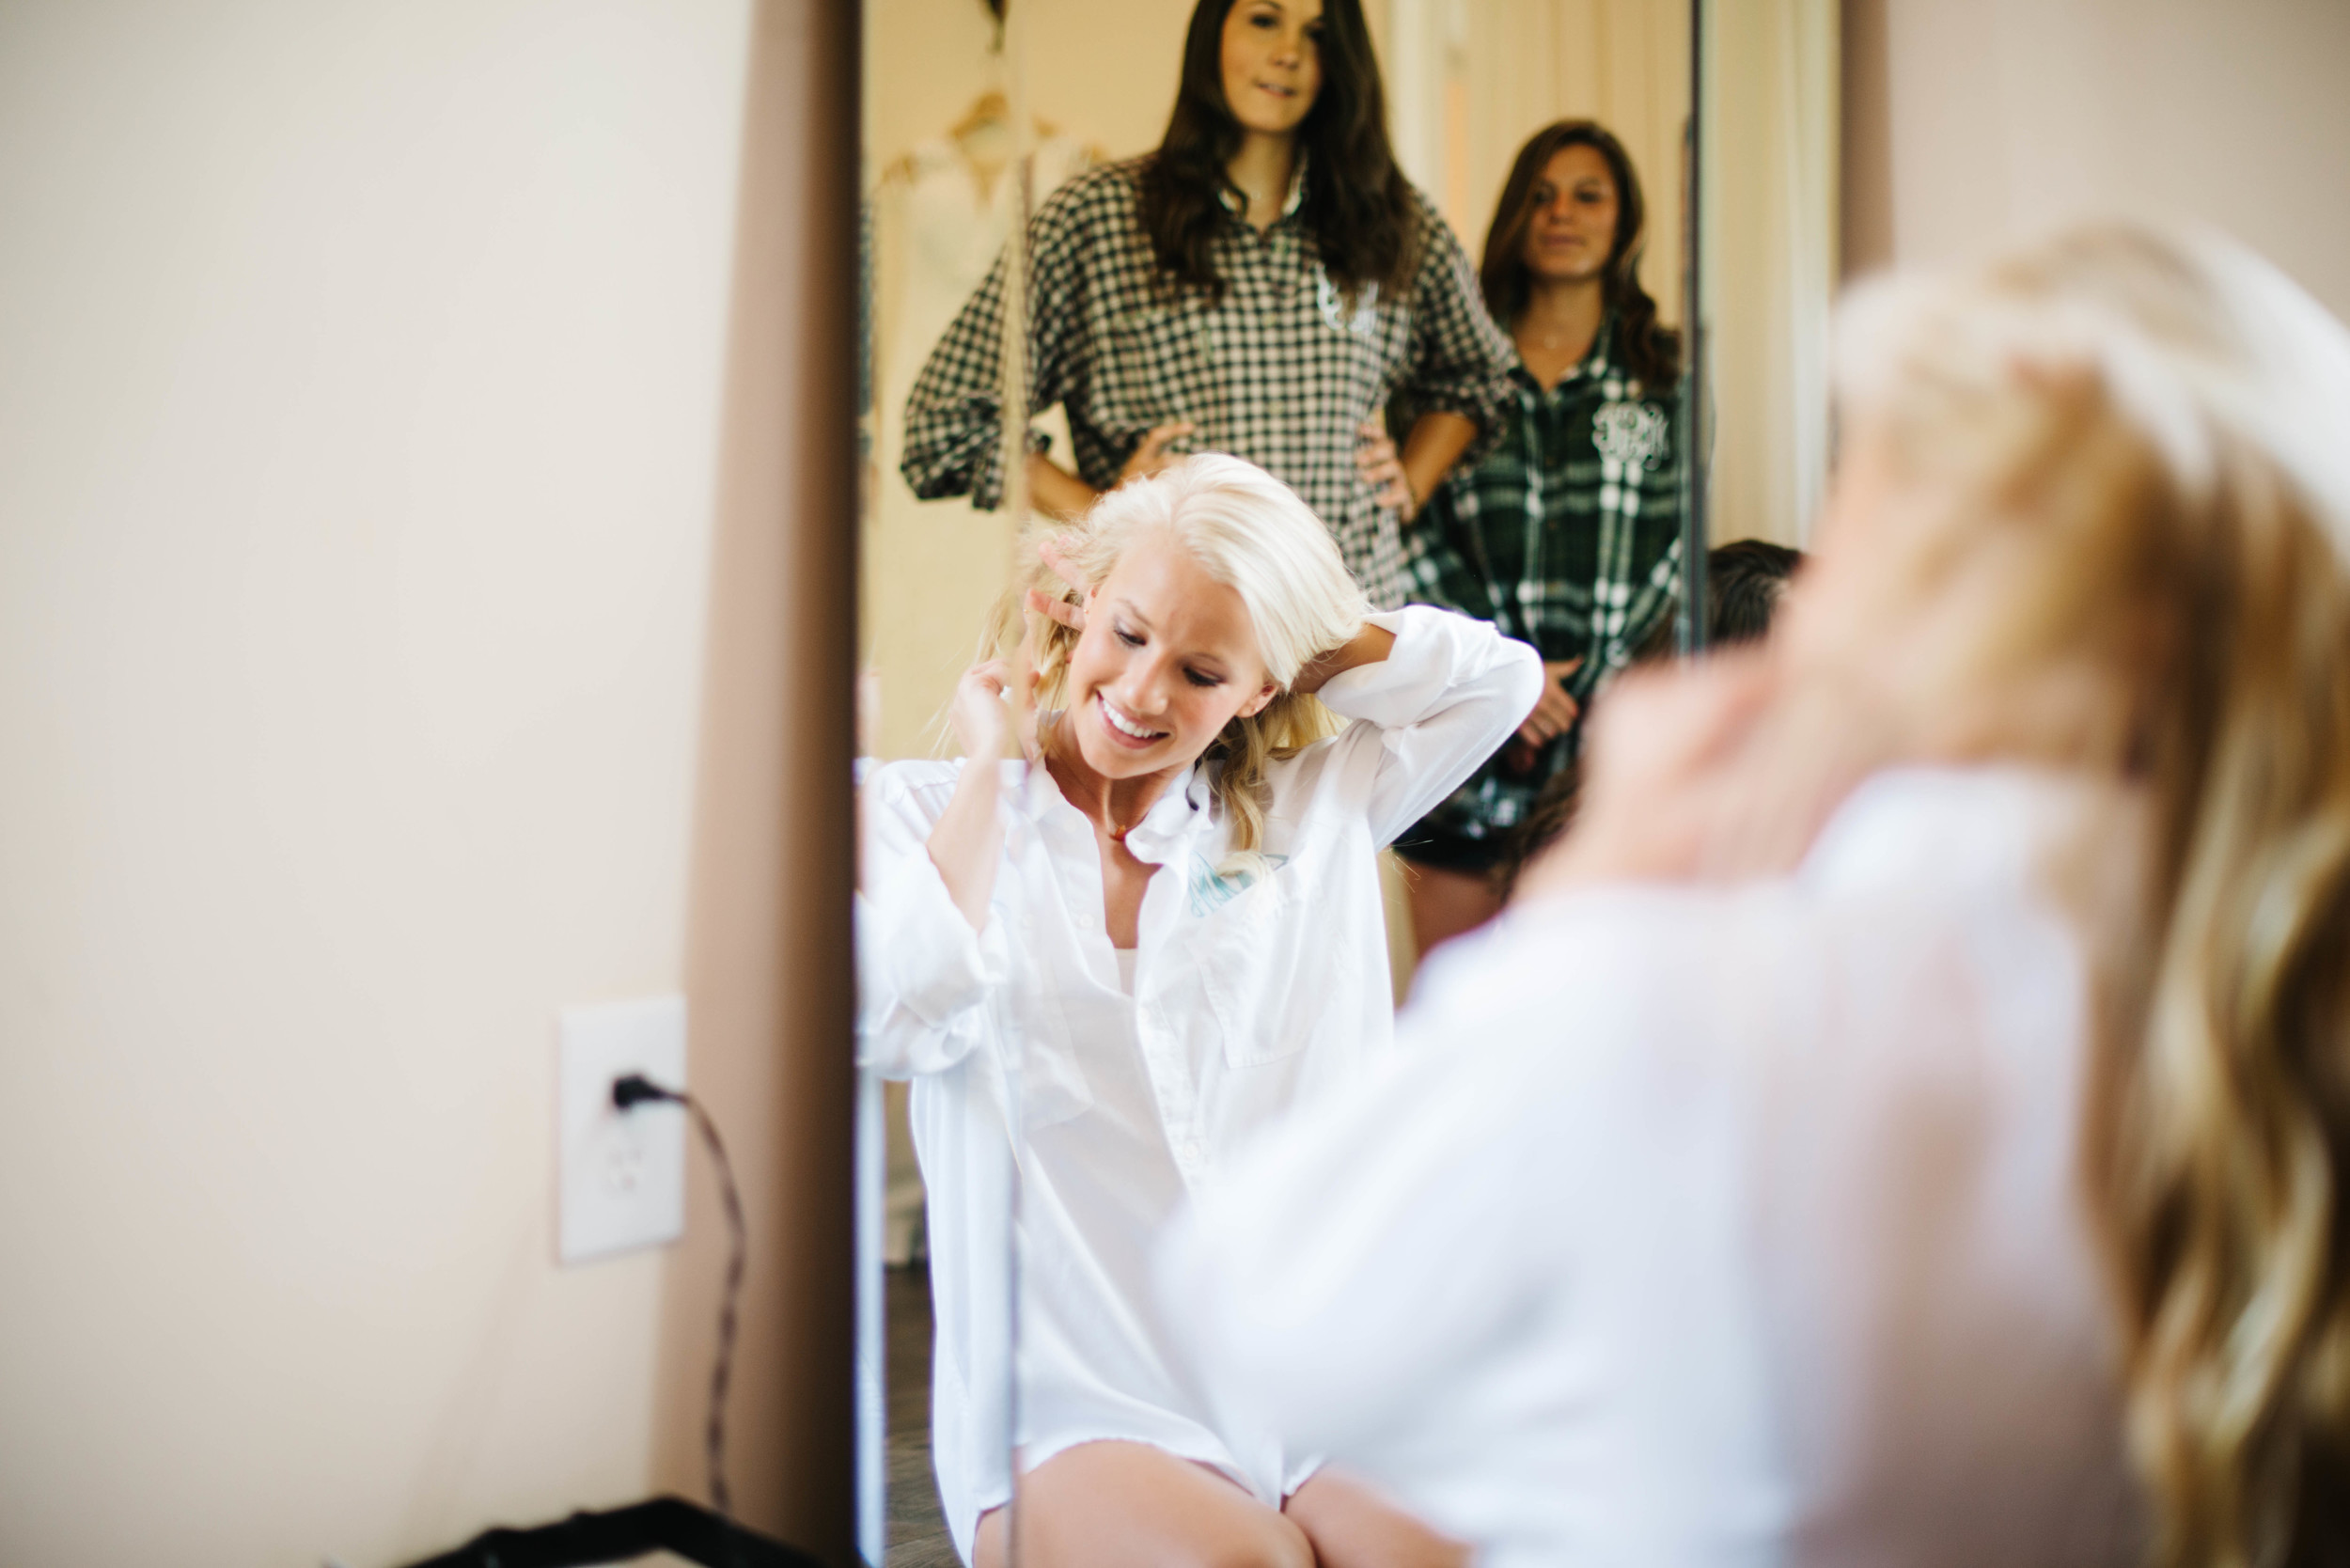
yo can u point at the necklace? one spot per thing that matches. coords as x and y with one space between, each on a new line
1046 725
1551 342
1116 829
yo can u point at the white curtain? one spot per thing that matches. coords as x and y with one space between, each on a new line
1468 81
1769 259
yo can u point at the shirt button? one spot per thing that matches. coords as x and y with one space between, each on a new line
1190 1151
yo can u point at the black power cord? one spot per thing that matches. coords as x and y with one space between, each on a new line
627 1095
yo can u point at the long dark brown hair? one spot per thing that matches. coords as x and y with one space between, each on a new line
1359 206
1652 353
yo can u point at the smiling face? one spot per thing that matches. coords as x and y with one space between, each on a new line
1167 659
1572 227
1272 63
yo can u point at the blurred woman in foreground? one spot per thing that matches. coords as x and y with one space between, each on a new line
1905 1120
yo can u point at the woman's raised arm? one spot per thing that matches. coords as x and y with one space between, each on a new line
1444 693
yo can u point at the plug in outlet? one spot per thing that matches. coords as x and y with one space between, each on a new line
621 1177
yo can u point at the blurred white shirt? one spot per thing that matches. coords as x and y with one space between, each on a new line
1710 1226
1253 991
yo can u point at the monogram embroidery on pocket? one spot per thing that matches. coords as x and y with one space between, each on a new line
1632 434
1212 890
1364 323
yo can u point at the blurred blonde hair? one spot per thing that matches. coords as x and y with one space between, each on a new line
1249 531
2150 433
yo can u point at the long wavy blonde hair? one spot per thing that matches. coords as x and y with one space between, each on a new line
1249 531
2156 430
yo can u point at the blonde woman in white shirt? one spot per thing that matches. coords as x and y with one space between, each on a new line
1171 921
1909 1121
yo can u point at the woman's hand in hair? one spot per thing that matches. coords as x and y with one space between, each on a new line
980 715
1151 455
1068 612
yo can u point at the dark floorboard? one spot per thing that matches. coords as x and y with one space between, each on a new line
917 1531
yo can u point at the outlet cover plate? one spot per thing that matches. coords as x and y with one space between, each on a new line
621 1181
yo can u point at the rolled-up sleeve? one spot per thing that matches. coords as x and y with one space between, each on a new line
1443 701
923 974
1461 359
954 433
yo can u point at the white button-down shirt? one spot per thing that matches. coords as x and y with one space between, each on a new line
1254 990
1714 1226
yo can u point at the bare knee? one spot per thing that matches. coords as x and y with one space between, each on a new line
1348 1524
1280 1544
1284 1547
1131 1504
1267 1541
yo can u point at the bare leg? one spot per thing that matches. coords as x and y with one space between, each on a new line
1138 1507
1353 1527
1445 904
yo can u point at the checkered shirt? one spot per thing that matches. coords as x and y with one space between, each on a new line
1280 370
1566 535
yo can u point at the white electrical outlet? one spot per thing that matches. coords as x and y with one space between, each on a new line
622 1174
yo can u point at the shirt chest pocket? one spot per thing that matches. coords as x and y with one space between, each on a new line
1279 976
1158 365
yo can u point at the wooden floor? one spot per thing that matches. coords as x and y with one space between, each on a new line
917 1531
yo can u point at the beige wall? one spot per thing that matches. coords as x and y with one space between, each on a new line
769 969
363 376
1973 122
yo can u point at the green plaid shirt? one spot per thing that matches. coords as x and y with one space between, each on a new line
1567 535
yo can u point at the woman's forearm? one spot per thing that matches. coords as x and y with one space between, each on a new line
1369 646
1053 490
1435 444
969 842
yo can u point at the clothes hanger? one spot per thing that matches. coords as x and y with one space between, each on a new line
990 111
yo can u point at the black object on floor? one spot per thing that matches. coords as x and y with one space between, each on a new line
670 1524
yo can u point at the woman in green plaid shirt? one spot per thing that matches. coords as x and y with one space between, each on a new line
1566 534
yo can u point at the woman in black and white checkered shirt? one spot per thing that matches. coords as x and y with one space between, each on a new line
1264 284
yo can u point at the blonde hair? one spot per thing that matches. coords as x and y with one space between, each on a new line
1249 531
2157 428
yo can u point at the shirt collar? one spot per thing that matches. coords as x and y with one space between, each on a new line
1591 367
1237 204
1180 810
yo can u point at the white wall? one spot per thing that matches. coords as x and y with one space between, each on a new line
359 395
1974 122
